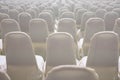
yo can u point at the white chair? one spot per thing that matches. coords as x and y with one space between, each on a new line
67 14
60 50
38 31
84 19
36 9
50 11
24 19
70 72
109 19
13 13
3 16
117 10
20 57
49 19
4 10
68 25
100 13
8 25
78 16
32 13
93 25
103 55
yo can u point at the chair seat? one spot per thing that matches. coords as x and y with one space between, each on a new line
39 59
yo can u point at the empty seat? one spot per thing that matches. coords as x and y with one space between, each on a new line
93 25
20 57
20 9
109 8
55 9
78 16
36 11
84 19
62 10
50 11
32 13
103 55
93 8
9 25
24 19
49 19
70 72
60 50
117 10
13 13
69 25
41 8
100 13
38 31
110 18
4 10
4 76
67 14
3 16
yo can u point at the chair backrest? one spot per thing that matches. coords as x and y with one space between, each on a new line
32 13
109 8
20 57
78 15
49 19
117 10
20 9
70 72
9 25
50 11
41 8
93 25
36 9
24 19
84 19
4 10
103 55
110 18
3 16
60 50
62 10
38 30
67 14
13 13
4 76
67 25
55 9
100 13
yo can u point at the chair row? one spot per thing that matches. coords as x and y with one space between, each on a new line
22 64
66 72
38 31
